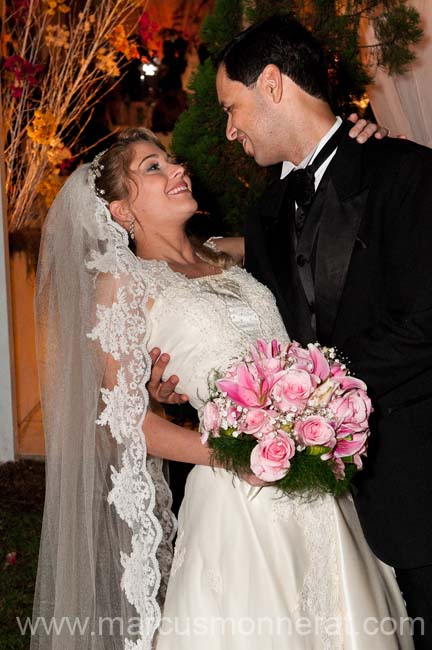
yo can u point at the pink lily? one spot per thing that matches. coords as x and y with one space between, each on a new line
267 357
337 371
248 390
321 367
345 447
348 382
338 468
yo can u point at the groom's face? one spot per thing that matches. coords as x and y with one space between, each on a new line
247 117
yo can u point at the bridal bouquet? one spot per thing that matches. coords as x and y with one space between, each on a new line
292 416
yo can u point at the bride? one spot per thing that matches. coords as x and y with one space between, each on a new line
251 569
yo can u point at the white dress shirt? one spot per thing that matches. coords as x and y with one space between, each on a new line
288 166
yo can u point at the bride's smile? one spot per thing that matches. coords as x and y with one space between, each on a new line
163 191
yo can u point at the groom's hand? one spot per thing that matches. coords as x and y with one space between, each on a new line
363 129
161 391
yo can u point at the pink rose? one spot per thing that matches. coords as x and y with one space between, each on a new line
293 389
314 430
352 409
258 422
270 422
269 367
267 357
253 421
300 357
232 416
311 359
270 459
210 421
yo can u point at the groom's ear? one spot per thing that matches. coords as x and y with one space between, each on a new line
121 213
271 83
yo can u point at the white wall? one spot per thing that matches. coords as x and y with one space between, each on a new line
8 421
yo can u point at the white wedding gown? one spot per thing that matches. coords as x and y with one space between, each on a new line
253 570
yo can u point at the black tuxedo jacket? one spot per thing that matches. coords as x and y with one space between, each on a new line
360 278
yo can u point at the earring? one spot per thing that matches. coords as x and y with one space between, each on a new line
132 229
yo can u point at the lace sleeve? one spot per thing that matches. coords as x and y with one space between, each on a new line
139 493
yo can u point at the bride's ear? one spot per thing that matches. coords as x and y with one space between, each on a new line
121 213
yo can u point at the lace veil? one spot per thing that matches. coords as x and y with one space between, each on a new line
106 539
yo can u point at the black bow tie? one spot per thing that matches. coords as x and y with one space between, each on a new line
300 183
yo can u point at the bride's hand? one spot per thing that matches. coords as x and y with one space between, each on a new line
363 129
163 392
233 246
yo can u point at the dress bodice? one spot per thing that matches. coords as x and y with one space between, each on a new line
204 323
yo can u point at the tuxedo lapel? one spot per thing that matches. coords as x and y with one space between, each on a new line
342 213
336 239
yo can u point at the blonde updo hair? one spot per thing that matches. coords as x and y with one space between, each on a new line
116 179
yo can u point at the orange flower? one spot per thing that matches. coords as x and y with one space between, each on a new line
58 36
88 22
57 152
42 128
118 40
56 4
105 61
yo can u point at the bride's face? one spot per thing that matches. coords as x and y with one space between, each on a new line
161 191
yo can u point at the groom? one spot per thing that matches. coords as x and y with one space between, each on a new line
350 265
346 247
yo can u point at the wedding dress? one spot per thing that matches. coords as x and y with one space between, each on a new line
254 569
251 568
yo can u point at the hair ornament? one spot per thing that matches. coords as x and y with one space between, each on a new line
95 172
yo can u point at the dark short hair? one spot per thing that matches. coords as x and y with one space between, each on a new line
284 42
